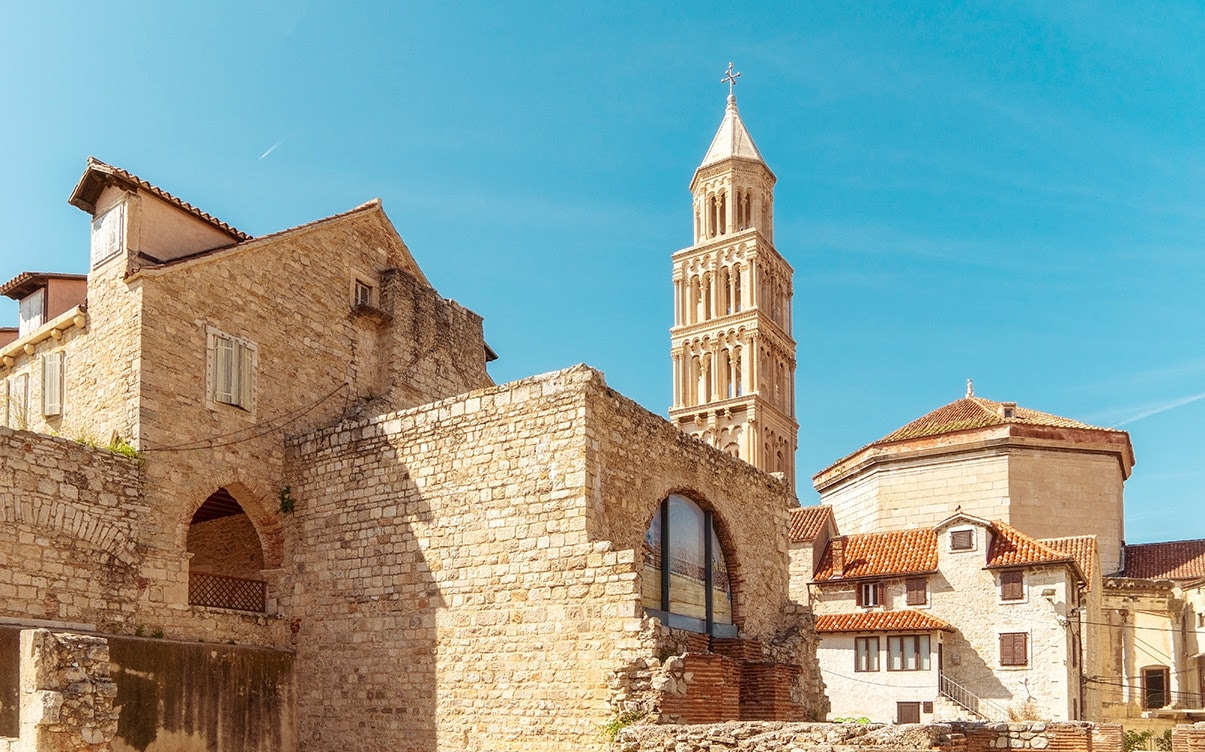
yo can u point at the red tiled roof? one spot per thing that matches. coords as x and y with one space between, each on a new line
976 412
1171 560
26 282
1082 548
906 620
806 522
1010 547
98 174
895 553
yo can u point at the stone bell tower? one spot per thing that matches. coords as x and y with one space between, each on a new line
731 344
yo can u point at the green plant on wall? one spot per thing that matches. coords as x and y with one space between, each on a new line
620 722
287 502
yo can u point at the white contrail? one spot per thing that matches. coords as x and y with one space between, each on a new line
271 149
1148 412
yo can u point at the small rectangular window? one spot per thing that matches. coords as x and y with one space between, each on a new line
1012 585
233 370
917 591
31 312
364 294
52 384
1155 687
866 650
1014 649
868 594
962 540
908 653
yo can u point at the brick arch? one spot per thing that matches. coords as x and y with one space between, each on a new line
732 557
81 524
261 508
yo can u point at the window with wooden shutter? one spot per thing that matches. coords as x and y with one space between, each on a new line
1012 585
232 370
868 594
52 384
18 401
31 312
962 540
866 650
108 234
917 591
1014 649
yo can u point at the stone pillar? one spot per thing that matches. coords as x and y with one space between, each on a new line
66 693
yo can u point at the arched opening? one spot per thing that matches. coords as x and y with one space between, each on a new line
736 289
226 558
686 581
695 300
725 288
738 378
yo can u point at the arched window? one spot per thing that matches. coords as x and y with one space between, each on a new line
226 562
685 581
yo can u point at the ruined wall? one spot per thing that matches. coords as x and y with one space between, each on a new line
70 526
468 571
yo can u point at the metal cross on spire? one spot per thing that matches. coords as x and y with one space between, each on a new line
730 78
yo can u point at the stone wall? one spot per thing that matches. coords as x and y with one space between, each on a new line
70 527
227 546
66 694
957 737
468 571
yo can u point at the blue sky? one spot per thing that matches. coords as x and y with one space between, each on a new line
1010 192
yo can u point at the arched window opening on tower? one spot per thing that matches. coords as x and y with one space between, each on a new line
738 378
725 286
705 397
711 216
708 309
695 300
736 289
225 568
723 213
685 581
726 386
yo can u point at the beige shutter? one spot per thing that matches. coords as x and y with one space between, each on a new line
246 365
223 370
52 384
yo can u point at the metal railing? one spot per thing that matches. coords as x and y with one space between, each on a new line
216 591
960 695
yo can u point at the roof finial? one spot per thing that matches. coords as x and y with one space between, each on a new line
970 388
730 79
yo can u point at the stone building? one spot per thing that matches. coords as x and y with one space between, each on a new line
1120 626
731 343
279 462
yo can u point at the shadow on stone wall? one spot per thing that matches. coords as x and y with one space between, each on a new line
181 697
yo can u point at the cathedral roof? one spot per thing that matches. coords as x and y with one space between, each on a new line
732 139
977 412
1082 548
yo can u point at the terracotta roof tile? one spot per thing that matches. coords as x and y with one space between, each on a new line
896 553
975 412
1082 548
906 620
98 173
1010 547
806 522
1170 560
26 282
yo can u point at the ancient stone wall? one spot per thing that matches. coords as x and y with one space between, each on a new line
1188 738
226 546
956 737
468 571
66 694
70 525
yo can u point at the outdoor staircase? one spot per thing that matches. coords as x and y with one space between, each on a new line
956 702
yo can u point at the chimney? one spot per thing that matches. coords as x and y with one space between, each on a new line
838 545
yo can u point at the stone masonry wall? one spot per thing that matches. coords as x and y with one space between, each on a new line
70 524
66 694
227 546
468 571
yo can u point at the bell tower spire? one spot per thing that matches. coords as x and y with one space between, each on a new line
731 343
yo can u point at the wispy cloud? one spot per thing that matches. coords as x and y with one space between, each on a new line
271 149
1163 407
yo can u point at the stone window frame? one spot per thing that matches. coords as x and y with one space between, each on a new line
1165 692
247 353
1003 591
1009 643
866 659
